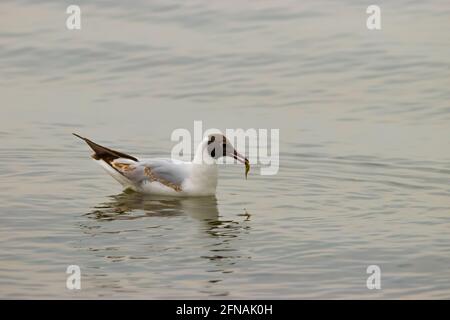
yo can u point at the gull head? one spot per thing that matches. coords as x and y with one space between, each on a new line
219 146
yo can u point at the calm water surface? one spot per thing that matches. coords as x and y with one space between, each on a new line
364 148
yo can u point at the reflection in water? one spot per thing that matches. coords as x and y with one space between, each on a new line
214 243
124 205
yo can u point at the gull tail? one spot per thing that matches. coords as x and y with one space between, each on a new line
103 153
105 157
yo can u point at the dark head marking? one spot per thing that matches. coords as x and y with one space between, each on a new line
217 145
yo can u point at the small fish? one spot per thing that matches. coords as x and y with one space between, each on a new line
247 168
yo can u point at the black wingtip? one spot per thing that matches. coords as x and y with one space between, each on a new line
104 153
77 135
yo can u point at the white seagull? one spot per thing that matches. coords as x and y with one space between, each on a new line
168 176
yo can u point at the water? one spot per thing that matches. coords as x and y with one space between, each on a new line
364 148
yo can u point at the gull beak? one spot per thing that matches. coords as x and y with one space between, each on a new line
239 157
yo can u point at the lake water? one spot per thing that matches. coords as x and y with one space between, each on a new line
364 120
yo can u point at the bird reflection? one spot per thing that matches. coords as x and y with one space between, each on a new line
130 205
216 239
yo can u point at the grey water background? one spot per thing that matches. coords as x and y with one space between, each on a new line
364 148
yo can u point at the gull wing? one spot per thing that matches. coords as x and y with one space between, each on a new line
165 171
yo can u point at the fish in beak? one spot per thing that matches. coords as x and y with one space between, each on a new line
239 157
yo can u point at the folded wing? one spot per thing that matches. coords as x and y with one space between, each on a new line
130 171
167 172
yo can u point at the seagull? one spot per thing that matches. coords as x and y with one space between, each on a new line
161 176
